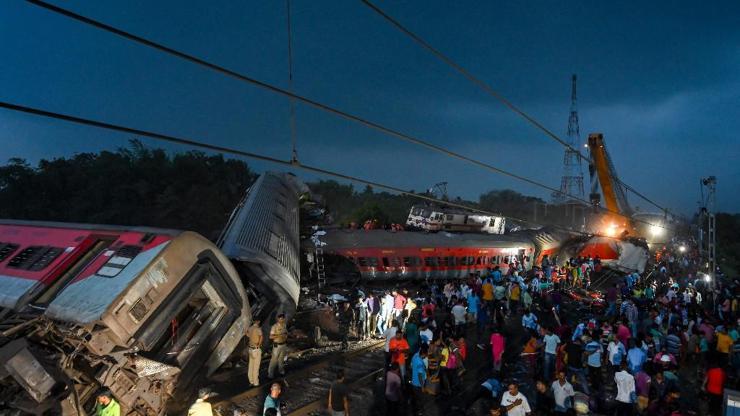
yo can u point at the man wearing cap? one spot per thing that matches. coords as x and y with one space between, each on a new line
106 405
278 336
255 337
201 407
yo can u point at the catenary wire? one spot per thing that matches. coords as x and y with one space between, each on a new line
488 89
294 152
289 94
303 99
251 155
223 149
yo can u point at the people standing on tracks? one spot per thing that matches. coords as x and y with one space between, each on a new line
393 391
106 405
515 402
278 337
373 310
399 349
272 401
418 379
498 344
345 316
487 292
254 349
362 319
626 393
473 306
459 313
412 334
386 312
338 402
399 302
389 334
529 320
551 342
563 393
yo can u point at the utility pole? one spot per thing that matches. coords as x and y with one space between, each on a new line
708 239
572 180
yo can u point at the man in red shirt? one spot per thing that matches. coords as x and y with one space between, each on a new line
714 384
399 302
398 348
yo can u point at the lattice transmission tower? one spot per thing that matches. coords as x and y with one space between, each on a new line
572 181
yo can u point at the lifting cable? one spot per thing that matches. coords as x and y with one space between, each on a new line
308 101
488 89
294 152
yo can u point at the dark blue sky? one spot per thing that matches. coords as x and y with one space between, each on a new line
661 81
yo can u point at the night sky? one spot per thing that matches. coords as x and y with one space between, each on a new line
660 81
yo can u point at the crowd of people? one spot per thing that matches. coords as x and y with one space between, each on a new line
656 343
657 340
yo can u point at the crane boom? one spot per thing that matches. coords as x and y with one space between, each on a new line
614 197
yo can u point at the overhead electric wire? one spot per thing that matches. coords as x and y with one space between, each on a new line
228 150
488 89
294 152
289 94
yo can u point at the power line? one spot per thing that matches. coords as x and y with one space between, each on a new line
294 152
289 94
488 89
223 149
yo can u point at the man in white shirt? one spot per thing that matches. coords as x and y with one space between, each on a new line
551 345
625 390
563 393
459 312
389 334
514 402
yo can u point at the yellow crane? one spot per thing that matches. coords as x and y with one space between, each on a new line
617 221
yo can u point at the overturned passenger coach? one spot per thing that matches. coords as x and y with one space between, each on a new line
141 311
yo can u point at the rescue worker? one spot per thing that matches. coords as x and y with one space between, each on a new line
278 336
107 405
201 407
255 338
345 317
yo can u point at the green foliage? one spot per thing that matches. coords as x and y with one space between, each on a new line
131 186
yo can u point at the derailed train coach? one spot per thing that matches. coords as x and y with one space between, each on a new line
262 240
140 311
381 254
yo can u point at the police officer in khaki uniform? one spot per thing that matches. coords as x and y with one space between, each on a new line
254 334
278 336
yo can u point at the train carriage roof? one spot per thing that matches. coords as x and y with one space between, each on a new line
352 239
85 297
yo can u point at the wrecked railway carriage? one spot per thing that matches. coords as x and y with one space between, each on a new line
144 312
140 311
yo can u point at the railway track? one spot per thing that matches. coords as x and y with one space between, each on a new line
305 389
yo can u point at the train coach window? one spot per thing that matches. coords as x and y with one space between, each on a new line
411 261
431 261
505 260
391 262
449 217
467 261
496 260
368 261
480 260
451 261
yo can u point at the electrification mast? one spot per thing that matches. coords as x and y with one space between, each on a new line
572 180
